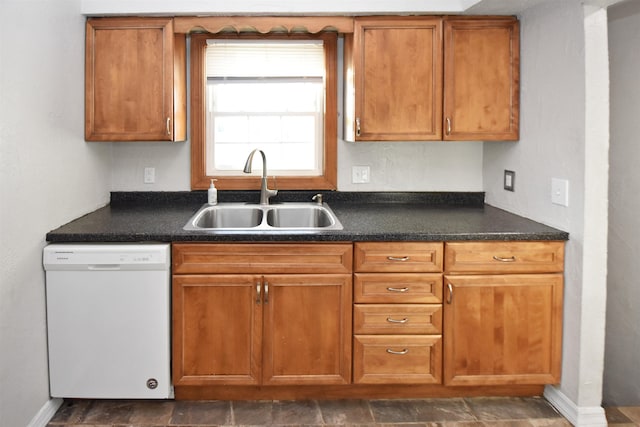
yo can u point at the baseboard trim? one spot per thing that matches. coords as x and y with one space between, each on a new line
579 416
45 413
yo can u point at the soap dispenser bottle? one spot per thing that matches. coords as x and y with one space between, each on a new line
212 194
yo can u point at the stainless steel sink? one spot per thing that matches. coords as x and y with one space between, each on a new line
241 217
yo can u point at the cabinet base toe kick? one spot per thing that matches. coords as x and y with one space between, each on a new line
351 391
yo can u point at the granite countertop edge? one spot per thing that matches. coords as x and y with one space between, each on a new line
381 216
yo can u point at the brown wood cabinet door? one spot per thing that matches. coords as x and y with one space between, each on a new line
129 79
397 75
481 79
217 329
502 329
307 329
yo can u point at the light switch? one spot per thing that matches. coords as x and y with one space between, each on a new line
509 180
149 175
560 191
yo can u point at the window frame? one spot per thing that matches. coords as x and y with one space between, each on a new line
200 180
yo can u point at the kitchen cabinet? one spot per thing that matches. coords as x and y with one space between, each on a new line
397 313
394 79
503 313
135 80
396 89
481 79
241 317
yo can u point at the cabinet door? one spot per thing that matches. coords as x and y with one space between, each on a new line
217 329
481 79
395 65
502 329
307 329
129 80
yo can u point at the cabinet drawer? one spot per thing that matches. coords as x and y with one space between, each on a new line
394 288
389 359
261 258
504 257
397 319
398 257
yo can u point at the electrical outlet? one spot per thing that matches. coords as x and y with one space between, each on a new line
560 191
360 174
149 175
509 180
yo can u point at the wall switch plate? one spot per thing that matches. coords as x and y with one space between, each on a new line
560 191
149 175
509 180
360 174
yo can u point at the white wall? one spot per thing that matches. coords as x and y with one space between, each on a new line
396 166
564 124
622 350
48 176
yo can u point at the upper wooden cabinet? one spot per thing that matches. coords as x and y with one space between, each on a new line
481 79
135 80
394 79
396 89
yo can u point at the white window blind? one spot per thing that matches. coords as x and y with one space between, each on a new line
250 58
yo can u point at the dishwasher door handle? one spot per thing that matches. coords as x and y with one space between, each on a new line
104 267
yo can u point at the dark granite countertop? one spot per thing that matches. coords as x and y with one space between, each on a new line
161 216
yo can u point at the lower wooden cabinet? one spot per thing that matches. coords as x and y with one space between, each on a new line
260 329
243 317
503 324
397 315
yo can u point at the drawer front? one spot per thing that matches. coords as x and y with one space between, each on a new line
425 288
504 257
390 319
398 256
388 359
261 258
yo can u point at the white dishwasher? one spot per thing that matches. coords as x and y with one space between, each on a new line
108 320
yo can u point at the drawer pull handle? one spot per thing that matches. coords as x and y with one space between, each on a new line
391 320
501 259
400 353
396 258
405 289
450 294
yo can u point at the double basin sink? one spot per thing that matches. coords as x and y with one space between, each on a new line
238 217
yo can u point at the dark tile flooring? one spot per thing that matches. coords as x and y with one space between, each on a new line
623 416
458 412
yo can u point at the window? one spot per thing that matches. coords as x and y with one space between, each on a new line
274 92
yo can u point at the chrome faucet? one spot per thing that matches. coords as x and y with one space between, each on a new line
265 193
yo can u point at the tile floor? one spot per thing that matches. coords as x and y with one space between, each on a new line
624 416
467 412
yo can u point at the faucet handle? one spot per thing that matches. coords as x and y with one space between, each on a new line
317 198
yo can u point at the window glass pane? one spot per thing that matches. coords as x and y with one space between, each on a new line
278 111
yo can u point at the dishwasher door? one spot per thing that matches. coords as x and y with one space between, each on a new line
108 320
